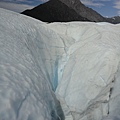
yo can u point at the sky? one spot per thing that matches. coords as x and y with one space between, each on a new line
107 8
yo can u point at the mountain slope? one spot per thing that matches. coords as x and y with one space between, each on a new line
54 11
83 11
66 11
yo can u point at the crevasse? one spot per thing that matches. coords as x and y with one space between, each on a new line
77 62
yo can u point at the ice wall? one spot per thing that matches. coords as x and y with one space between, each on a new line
89 87
78 61
29 54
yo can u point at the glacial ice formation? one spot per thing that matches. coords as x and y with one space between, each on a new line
77 62
89 87
28 59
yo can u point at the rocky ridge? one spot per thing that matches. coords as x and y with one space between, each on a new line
66 11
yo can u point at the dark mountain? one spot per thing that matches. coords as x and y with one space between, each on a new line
83 11
54 11
114 20
66 11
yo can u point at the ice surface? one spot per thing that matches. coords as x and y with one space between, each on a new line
78 61
29 54
89 88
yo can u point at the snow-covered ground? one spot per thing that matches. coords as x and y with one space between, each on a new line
77 62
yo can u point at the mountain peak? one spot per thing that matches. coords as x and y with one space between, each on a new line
55 11
63 11
66 11
71 3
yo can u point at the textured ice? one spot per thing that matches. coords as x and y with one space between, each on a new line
79 62
28 59
89 87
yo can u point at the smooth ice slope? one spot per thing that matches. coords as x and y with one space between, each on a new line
79 61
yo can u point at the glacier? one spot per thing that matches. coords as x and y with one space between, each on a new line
58 71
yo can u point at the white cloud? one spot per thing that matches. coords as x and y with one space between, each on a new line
18 5
99 0
16 1
119 12
117 6
105 0
43 0
92 3
15 7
